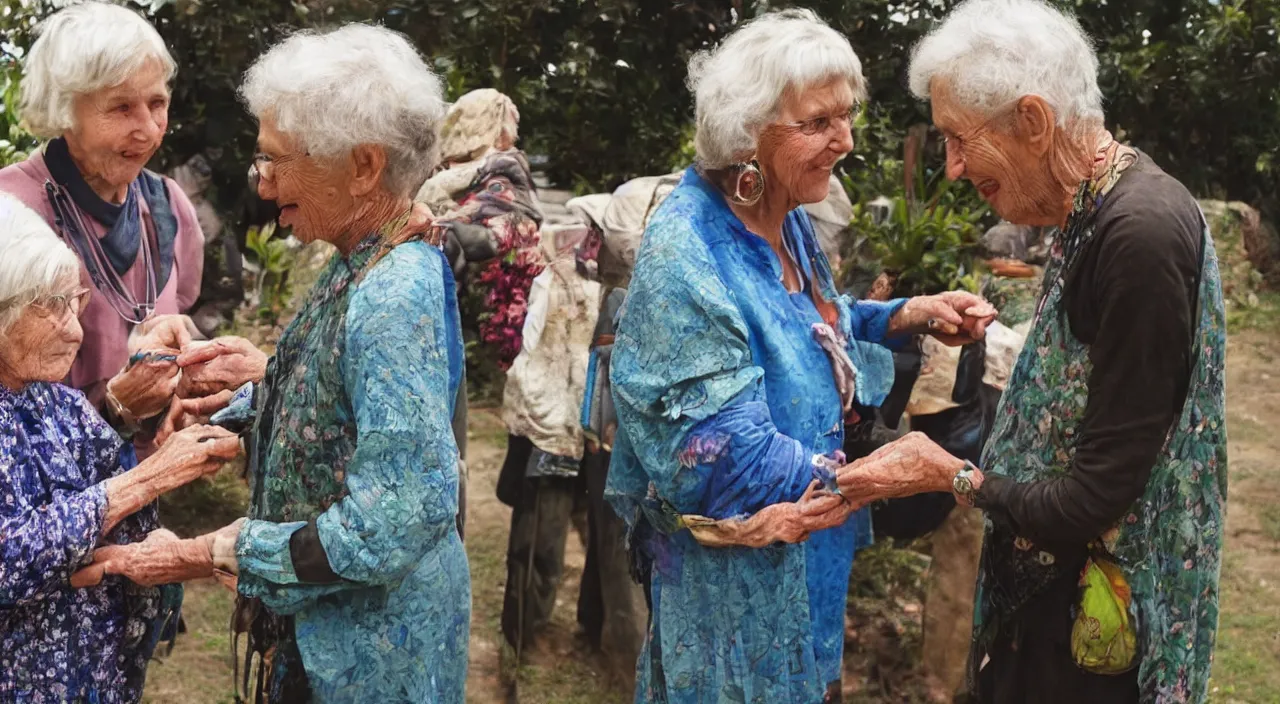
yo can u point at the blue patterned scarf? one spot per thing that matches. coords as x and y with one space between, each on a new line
124 222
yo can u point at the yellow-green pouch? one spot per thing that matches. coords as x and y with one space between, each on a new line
1103 638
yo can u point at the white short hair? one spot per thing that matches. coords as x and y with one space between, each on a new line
990 53
82 49
738 86
334 91
34 262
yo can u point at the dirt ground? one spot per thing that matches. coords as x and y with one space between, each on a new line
1247 661
563 671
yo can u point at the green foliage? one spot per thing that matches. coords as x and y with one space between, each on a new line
875 167
884 631
15 142
214 42
1196 84
927 242
601 83
275 259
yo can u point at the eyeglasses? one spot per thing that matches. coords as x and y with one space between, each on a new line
59 305
823 124
264 166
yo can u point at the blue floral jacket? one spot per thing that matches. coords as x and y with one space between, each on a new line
59 644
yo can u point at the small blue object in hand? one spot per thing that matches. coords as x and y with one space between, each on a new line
140 357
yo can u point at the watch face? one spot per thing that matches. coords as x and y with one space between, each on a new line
961 485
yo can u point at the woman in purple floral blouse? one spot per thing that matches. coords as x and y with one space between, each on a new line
68 484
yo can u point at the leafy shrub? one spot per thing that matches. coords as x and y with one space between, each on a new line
274 259
923 234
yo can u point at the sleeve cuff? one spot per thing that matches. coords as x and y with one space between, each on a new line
264 550
869 320
96 496
310 562
92 504
993 495
891 309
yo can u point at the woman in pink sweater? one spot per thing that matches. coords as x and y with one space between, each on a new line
96 86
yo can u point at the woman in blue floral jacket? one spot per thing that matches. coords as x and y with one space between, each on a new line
734 367
68 483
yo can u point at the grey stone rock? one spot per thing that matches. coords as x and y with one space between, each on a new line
1008 241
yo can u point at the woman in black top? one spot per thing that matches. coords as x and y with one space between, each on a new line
1108 456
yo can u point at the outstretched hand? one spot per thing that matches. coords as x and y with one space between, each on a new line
910 465
162 558
184 413
955 317
789 522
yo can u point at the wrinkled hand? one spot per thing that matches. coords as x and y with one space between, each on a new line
195 452
162 558
145 388
789 522
163 332
222 544
910 465
224 364
954 318
186 412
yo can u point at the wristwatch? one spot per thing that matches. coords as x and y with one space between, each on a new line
962 484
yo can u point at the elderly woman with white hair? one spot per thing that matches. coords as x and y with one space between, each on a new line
96 85
67 484
1104 480
734 366
353 583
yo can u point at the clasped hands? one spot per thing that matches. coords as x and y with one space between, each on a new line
955 317
181 374
195 378
164 558
911 465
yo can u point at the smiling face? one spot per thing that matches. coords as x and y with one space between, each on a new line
1005 155
811 135
41 346
313 195
118 129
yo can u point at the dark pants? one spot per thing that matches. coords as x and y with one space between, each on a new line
611 606
540 519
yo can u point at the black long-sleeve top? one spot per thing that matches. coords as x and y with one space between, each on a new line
1130 296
